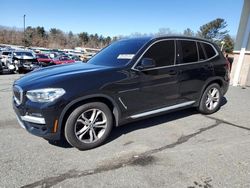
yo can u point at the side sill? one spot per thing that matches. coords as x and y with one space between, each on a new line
162 109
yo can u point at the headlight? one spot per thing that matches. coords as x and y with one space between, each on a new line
45 95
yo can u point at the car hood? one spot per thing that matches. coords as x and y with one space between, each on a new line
53 74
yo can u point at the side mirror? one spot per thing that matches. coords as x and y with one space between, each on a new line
146 63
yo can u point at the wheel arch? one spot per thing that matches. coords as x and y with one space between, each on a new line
217 80
110 102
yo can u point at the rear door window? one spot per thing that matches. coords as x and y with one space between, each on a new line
188 51
202 56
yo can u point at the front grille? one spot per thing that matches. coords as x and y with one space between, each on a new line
18 94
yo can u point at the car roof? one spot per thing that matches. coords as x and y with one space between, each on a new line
139 39
180 37
156 38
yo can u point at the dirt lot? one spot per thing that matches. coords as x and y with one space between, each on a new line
182 149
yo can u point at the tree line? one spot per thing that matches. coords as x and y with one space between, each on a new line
55 38
214 31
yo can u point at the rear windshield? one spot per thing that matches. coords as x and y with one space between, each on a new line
118 53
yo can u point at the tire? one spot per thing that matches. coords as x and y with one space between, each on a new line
20 71
210 102
84 130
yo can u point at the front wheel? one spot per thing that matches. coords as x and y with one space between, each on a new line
89 125
211 99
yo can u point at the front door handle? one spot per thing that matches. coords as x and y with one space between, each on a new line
172 72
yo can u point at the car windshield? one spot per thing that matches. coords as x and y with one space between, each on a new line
23 54
118 53
6 53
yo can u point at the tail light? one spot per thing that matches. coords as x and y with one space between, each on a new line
228 65
228 68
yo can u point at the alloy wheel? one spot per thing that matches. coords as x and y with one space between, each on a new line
213 96
90 125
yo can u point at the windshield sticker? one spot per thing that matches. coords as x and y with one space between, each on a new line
125 56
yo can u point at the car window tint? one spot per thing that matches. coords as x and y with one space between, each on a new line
6 53
189 51
201 52
162 52
209 50
42 56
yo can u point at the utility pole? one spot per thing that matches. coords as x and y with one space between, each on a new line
24 38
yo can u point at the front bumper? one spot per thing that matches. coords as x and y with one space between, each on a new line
46 125
28 68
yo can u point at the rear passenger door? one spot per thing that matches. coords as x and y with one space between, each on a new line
194 69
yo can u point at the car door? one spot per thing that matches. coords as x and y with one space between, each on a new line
194 69
156 87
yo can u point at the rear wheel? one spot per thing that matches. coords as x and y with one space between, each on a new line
89 125
211 99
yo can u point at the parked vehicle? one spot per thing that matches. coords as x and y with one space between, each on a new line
6 61
25 61
129 80
44 60
86 54
74 57
5 55
1 67
62 60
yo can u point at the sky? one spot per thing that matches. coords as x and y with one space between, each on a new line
120 17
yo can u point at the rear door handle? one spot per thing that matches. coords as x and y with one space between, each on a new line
209 66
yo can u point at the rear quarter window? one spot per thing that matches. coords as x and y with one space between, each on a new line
209 50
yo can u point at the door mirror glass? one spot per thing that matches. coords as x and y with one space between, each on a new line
146 63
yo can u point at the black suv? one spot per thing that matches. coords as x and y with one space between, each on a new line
129 80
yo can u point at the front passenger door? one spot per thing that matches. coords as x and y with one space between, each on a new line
158 86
